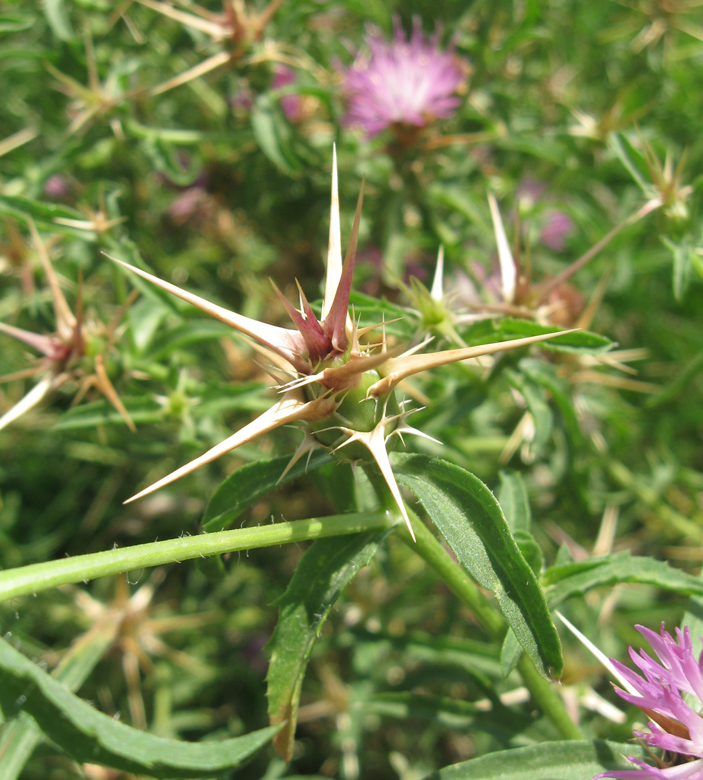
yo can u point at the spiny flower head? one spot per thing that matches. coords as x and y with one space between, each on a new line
333 375
75 351
551 300
671 695
435 309
402 83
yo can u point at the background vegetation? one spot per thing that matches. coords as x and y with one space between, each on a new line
574 116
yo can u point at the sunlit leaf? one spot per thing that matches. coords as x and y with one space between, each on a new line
90 736
470 519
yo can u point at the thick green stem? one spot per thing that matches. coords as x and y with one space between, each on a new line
42 576
456 578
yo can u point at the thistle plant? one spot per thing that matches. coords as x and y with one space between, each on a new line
334 598
76 352
332 374
237 27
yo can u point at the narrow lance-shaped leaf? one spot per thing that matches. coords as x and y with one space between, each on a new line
470 519
542 417
323 572
514 501
573 760
89 736
693 617
577 578
19 737
248 484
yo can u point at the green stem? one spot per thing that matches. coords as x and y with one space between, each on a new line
456 578
42 576
547 699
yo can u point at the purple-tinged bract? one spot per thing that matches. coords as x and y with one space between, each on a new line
675 722
405 82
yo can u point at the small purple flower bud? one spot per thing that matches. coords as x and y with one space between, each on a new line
557 230
56 188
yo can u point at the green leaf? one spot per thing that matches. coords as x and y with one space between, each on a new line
443 710
510 653
514 501
572 760
55 12
321 575
580 342
167 160
372 310
19 737
681 271
546 377
471 520
13 23
679 384
530 550
248 484
632 159
542 417
43 214
142 411
693 617
273 135
573 579
89 736
178 135
193 331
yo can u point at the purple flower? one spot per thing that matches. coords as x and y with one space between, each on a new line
291 105
676 725
558 228
57 187
402 82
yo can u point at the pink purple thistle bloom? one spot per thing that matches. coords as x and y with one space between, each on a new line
404 82
675 723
